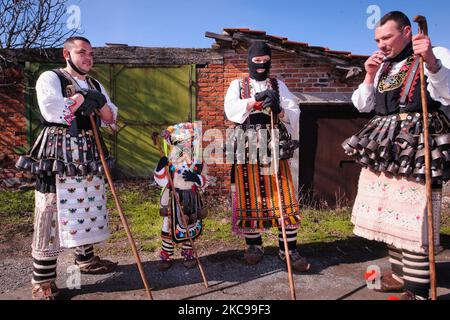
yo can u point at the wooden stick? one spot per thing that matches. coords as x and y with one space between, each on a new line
119 207
280 205
156 141
423 28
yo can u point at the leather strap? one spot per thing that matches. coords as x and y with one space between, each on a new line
409 83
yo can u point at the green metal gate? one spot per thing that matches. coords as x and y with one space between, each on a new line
149 99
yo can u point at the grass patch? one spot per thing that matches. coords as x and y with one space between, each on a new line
140 204
16 206
141 208
325 225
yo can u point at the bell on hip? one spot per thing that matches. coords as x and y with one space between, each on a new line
392 168
93 167
58 167
71 170
45 165
82 170
24 163
101 170
35 168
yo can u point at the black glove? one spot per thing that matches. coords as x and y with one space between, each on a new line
162 163
190 176
272 101
261 96
93 99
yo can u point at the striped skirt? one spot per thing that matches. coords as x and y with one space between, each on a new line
256 202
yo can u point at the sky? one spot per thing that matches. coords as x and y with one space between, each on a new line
338 25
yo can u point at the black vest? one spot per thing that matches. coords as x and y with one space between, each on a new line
81 122
390 89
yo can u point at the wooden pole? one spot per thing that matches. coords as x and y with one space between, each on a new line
119 207
280 205
423 29
156 141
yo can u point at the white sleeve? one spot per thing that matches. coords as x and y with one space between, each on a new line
161 177
439 82
235 107
290 105
364 98
53 106
110 104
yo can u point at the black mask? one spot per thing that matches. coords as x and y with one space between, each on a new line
74 67
258 49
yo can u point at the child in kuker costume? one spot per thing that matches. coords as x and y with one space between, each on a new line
188 174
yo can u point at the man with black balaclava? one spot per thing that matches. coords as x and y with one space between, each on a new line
70 197
391 203
250 102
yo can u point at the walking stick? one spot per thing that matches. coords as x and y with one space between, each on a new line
155 138
280 205
119 207
423 29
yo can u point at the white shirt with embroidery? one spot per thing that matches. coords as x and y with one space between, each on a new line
438 83
236 111
53 105
236 108
162 180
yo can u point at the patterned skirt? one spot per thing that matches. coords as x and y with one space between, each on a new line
191 204
393 210
256 205
69 166
82 213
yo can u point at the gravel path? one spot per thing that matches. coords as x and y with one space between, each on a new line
337 273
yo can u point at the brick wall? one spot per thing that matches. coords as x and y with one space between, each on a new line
301 75
12 119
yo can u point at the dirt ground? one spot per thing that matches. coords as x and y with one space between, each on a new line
337 274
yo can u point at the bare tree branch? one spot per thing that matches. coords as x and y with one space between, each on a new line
33 23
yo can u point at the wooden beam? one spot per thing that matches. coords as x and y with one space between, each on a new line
122 55
217 36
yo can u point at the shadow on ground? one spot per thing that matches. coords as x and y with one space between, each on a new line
228 267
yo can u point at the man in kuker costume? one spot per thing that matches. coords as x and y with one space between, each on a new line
391 203
249 102
70 202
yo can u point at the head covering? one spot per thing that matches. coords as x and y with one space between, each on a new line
257 49
184 139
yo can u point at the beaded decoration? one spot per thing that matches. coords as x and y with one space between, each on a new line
183 137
